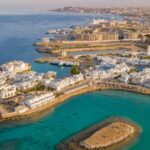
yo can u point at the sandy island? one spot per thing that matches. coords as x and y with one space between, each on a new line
112 134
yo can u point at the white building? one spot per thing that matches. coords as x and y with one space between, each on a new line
25 85
66 82
25 77
93 74
15 67
124 78
38 101
107 74
138 78
110 61
7 91
28 80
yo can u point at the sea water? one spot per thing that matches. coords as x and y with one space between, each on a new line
75 115
18 33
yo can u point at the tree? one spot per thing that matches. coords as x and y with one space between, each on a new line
75 70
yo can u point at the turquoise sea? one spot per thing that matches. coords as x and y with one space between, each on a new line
18 33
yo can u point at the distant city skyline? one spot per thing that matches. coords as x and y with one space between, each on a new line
51 4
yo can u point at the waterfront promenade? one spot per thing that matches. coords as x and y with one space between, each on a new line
65 94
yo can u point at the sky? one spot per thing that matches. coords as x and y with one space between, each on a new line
51 4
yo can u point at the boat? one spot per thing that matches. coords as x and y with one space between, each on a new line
98 21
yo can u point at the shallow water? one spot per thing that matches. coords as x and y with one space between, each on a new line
75 115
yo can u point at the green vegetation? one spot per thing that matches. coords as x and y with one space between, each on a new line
39 87
75 70
133 69
146 57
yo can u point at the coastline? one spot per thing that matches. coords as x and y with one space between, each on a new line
64 97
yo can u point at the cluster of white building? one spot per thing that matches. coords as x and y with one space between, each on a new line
7 72
66 82
116 71
13 78
27 81
138 78
31 79
15 67
40 100
108 61
134 61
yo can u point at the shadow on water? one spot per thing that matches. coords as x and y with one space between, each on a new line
11 144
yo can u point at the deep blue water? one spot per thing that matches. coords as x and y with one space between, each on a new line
18 33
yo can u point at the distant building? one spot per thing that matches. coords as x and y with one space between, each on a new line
15 67
112 36
130 35
102 36
45 40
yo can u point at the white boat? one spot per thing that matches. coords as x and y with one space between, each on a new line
98 21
